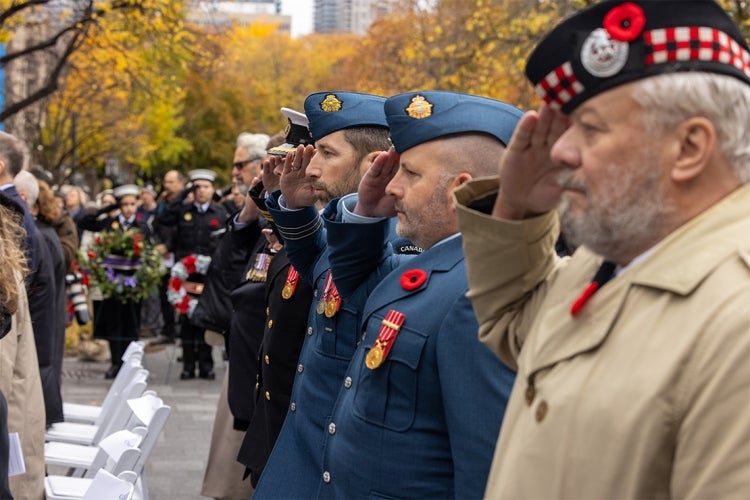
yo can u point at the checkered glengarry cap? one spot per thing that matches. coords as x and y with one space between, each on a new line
616 42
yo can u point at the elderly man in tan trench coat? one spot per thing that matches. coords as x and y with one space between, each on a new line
633 355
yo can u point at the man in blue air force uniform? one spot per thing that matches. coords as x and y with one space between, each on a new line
421 404
349 130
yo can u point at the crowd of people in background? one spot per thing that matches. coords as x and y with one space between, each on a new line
435 294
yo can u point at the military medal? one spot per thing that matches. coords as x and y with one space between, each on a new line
389 329
292 277
331 299
321 307
260 267
331 308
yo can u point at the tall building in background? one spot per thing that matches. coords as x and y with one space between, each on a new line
242 12
348 16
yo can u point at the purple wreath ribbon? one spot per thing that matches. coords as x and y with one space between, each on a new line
121 262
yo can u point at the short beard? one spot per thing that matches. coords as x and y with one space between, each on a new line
628 218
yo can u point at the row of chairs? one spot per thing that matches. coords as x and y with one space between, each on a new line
105 448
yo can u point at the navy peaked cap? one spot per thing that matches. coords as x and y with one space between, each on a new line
616 42
417 117
328 112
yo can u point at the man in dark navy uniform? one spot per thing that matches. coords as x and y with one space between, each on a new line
349 130
198 225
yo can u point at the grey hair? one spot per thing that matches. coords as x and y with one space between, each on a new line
724 100
25 182
256 144
14 153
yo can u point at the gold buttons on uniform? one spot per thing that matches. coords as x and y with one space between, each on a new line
541 410
267 359
270 323
268 395
268 311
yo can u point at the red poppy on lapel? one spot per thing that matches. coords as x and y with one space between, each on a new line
413 279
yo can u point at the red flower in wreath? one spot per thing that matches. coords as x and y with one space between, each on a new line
91 255
214 223
184 305
625 22
413 279
189 262
175 284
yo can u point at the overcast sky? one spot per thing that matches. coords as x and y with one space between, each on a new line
302 15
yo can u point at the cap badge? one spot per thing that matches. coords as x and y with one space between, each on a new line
419 107
287 129
603 56
330 104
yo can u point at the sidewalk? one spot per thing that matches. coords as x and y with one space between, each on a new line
176 466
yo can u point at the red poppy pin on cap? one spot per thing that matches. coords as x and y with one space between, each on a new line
615 42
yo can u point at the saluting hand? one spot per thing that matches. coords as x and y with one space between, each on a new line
528 176
296 187
268 173
372 198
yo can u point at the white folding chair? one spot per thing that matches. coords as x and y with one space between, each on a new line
114 420
84 461
103 486
152 413
89 414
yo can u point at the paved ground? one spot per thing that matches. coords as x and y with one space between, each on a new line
176 466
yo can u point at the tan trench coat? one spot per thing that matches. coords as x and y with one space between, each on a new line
646 394
22 386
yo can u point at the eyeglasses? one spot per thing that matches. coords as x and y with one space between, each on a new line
239 165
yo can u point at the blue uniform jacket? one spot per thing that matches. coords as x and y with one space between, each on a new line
294 467
424 424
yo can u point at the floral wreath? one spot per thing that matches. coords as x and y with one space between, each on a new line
123 265
176 293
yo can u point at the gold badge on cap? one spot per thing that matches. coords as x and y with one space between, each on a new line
188 216
419 107
330 103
